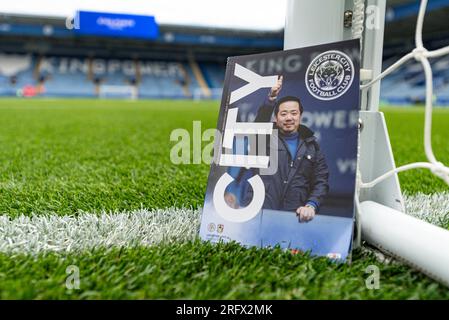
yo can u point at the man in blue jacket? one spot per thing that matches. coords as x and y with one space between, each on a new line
300 183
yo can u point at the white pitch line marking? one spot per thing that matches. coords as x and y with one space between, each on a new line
86 231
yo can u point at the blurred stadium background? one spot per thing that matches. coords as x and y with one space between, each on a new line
44 56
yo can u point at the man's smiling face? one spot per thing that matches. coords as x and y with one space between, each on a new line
288 118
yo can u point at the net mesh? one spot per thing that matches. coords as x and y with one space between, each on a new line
421 54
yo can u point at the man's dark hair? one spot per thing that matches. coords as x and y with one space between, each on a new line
285 99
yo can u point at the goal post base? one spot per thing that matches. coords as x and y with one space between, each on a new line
413 241
374 159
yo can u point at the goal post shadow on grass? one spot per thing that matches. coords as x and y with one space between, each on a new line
380 210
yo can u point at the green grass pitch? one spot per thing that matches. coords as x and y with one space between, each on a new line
70 156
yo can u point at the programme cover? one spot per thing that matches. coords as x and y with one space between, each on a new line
285 158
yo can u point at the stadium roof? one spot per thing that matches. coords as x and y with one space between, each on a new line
250 15
401 20
213 41
264 15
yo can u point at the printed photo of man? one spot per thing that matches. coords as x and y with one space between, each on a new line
300 183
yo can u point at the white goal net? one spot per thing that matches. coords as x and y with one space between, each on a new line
421 54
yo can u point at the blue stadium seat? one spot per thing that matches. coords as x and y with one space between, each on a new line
66 77
161 79
407 84
16 71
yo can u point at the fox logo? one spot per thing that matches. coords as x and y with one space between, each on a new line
329 75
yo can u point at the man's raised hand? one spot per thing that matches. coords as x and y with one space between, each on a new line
274 92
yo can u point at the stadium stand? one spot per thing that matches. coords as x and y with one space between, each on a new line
79 77
161 79
55 61
214 74
16 73
65 77
406 86
40 56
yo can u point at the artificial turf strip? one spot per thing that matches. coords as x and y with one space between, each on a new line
66 156
203 271
89 231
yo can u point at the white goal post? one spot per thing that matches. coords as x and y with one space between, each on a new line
118 92
213 94
379 204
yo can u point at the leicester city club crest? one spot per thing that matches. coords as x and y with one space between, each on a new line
329 75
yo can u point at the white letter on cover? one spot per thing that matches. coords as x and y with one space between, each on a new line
231 129
243 214
255 82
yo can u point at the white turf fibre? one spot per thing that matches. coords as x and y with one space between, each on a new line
87 231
